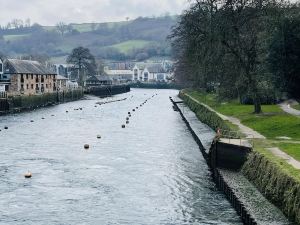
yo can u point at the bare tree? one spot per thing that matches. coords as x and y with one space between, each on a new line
62 28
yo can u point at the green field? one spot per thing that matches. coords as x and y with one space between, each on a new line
127 46
15 37
272 123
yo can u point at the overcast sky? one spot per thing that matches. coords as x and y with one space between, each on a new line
49 12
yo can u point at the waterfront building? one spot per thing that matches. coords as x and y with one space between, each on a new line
119 76
61 83
26 77
64 69
150 72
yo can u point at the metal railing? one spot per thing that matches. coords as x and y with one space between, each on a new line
234 135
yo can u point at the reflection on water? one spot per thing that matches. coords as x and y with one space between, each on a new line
151 172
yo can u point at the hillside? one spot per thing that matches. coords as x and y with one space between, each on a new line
141 38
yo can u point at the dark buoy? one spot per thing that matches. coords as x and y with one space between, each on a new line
133 110
52 115
28 175
99 136
86 146
127 122
129 113
43 118
31 121
80 108
127 118
5 127
123 126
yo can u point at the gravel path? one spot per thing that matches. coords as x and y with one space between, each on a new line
286 106
249 133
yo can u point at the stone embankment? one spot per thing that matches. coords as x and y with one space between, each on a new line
22 103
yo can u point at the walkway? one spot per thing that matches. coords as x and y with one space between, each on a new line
286 106
250 133
247 131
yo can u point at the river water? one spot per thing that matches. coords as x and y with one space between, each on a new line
151 172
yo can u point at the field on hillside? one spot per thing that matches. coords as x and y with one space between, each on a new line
112 41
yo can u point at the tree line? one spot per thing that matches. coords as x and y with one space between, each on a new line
248 49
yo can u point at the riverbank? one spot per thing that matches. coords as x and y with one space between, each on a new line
157 85
25 103
107 90
274 177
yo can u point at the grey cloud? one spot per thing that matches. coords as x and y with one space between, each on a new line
49 12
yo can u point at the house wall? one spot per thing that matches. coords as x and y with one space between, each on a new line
32 84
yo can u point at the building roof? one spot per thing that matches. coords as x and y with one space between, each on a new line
99 78
60 77
16 66
156 68
118 72
151 67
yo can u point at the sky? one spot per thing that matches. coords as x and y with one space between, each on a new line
50 12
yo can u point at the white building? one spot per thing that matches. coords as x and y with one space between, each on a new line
150 72
119 76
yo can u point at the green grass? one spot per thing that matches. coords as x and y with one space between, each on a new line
296 106
127 46
291 149
272 123
261 146
15 37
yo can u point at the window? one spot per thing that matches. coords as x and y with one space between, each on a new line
146 76
27 86
22 78
1 67
27 76
32 76
22 87
31 86
42 79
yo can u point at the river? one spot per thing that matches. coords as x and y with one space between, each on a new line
151 172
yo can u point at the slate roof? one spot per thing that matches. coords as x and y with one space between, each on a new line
60 77
152 67
99 78
16 66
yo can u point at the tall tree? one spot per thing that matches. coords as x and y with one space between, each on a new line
62 28
84 62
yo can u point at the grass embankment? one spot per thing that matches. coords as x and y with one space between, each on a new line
273 123
296 106
272 175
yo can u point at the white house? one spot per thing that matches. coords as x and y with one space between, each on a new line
150 72
119 76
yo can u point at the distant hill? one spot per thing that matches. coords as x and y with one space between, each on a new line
138 39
